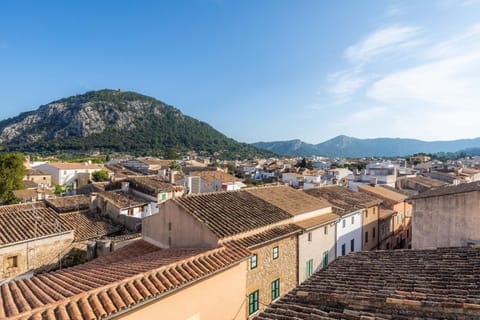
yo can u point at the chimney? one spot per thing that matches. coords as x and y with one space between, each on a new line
373 181
125 186
172 176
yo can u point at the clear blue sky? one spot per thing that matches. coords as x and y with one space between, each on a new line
257 70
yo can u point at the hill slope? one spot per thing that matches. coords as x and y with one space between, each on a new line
343 146
110 120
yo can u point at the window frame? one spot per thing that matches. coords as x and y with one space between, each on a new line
253 302
275 286
275 253
253 261
309 268
352 245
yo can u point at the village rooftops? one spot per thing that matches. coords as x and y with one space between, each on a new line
87 225
73 166
69 203
152 185
123 200
344 199
397 284
383 193
122 280
26 222
447 190
232 212
291 200
211 175
427 181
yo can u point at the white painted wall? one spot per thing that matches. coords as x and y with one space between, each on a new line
349 232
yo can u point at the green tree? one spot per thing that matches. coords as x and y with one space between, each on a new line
12 172
174 165
59 189
101 175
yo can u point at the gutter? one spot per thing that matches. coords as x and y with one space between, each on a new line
174 290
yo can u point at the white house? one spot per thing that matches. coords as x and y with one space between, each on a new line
69 174
349 233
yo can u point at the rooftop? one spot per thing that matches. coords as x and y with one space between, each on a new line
399 284
382 192
427 181
87 225
317 221
120 280
23 222
343 198
211 175
69 203
291 200
73 166
232 212
122 199
151 185
447 190
268 236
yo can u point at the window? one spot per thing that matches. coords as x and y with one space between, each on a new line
388 246
164 196
253 261
366 213
373 233
253 302
343 249
130 212
344 223
275 289
366 236
374 210
309 267
353 219
275 253
408 233
309 236
325 258
325 230
352 245
12 262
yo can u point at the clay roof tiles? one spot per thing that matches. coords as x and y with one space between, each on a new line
69 203
400 284
291 200
87 225
447 190
230 213
343 198
317 221
384 193
105 286
268 236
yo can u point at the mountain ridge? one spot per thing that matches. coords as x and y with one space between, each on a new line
345 146
116 121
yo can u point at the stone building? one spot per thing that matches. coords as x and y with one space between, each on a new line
446 217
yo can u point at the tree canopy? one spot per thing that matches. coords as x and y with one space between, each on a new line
12 172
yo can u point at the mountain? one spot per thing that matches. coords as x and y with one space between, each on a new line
343 146
114 121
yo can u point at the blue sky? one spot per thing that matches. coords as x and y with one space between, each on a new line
257 70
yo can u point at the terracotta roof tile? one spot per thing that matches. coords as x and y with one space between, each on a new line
343 198
122 199
268 236
151 185
461 188
69 203
87 225
399 284
317 221
107 285
384 193
73 166
19 223
291 200
232 212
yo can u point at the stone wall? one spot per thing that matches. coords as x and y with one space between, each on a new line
269 269
40 255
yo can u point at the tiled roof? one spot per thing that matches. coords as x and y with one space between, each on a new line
122 199
382 192
399 284
343 198
427 181
211 175
73 166
461 188
87 225
268 236
69 203
120 280
35 172
151 185
155 162
291 200
22 222
317 221
232 212
385 213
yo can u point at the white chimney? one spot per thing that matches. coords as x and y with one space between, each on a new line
125 186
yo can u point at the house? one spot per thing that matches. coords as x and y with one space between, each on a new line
446 217
152 188
293 179
316 241
209 181
69 174
211 219
32 239
146 165
139 281
337 176
41 179
382 173
402 284
357 227
394 200
386 229
420 183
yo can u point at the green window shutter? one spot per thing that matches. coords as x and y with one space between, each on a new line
253 302
275 289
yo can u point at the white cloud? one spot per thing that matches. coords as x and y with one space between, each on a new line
458 44
343 84
383 41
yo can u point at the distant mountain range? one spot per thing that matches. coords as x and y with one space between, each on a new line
343 146
114 121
